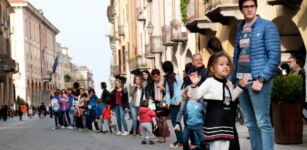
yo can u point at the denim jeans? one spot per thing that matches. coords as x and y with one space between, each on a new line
256 112
134 112
192 130
57 119
72 118
174 110
120 117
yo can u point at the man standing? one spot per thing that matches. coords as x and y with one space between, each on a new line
294 67
105 93
197 65
256 58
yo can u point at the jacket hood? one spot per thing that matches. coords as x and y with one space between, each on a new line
143 110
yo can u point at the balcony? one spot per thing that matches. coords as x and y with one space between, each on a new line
177 34
114 70
191 10
202 26
287 3
166 36
156 44
140 14
148 53
121 30
223 10
7 64
137 62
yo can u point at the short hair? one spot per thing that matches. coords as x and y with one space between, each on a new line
144 103
242 1
293 57
155 72
103 84
197 54
168 67
84 95
76 85
187 67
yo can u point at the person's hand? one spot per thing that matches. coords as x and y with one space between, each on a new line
89 107
96 120
194 78
126 109
257 86
176 103
162 88
244 82
177 128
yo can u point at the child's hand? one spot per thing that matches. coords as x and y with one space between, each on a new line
177 128
194 78
243 82
185 95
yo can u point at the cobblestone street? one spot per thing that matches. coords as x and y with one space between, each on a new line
36 134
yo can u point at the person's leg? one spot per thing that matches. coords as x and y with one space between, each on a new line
261 105
174 110
224 145
143 131
250 119
67 118
55 120
198 135
134 113
118 117
185 138
122 116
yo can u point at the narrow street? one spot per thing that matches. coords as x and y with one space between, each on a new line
37 134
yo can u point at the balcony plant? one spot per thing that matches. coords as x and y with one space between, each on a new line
287 100
67 78
184 9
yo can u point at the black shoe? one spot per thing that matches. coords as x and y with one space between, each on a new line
151 142
143 142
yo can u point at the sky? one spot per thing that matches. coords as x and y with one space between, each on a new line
83 26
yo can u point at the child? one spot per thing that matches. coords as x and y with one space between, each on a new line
99 109
107 115
146 116
194 112
219 93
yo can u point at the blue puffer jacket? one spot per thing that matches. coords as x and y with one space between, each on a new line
264 49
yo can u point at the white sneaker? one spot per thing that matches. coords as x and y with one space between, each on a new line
125 133
118 133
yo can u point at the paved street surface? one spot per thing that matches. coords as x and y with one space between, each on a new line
36 134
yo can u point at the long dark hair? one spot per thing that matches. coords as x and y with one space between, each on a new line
213 59
149 79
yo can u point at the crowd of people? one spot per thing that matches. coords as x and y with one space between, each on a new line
204 100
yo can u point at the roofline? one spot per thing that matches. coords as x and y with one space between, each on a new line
35 12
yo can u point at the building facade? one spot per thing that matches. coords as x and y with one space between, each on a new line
175 30
8 66
34 48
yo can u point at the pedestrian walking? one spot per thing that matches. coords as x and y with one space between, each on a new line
219 93
42 111
256 58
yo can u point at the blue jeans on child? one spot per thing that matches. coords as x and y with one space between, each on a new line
120 117
174 110
256 111
134 112
192 130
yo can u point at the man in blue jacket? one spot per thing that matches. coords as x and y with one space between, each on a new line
256 58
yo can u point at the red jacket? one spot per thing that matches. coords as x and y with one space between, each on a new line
146 114
106 113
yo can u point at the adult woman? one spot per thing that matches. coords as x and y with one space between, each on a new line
147 78
137 94
173 97
120 104
64 108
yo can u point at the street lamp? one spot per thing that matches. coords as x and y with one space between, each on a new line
150 28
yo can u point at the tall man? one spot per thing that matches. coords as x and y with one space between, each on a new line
256 58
